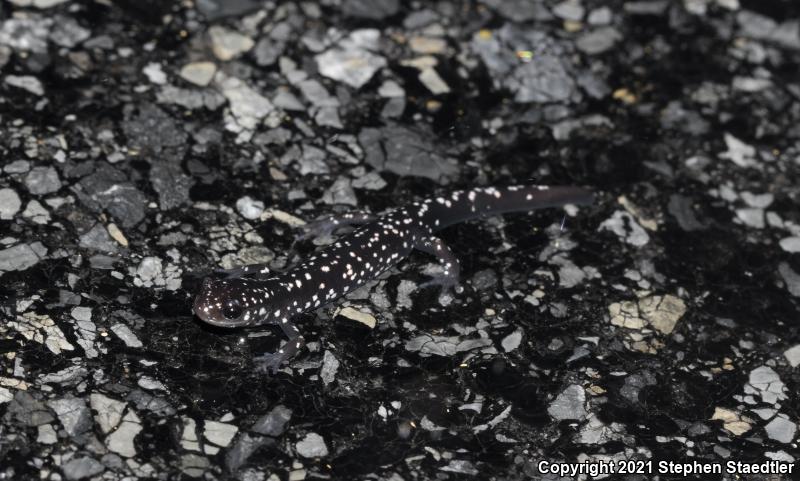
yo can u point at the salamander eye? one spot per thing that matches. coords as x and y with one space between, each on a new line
232 309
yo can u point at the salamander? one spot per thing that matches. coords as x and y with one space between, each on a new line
253 295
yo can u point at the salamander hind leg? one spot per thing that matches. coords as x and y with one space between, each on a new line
449 278
270 362
328 224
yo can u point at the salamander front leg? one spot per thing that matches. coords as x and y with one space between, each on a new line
269 363
327 225
448 279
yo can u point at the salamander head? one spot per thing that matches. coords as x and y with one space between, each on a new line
235 302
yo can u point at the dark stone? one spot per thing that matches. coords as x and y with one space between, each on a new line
267 51
217 9
97 238
243 448
145 401
150 130
406 152
83 467
27 410
109 190
370 9
681 208
274 423
520 10
170 183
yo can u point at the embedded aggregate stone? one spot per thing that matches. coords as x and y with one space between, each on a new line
312 446
352 61
21 256
108 189
83 467
216 9
98 238
9 203
42 180
26 82
375 10
73 414
274 423
569 404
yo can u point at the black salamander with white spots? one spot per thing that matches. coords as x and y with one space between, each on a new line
252 295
